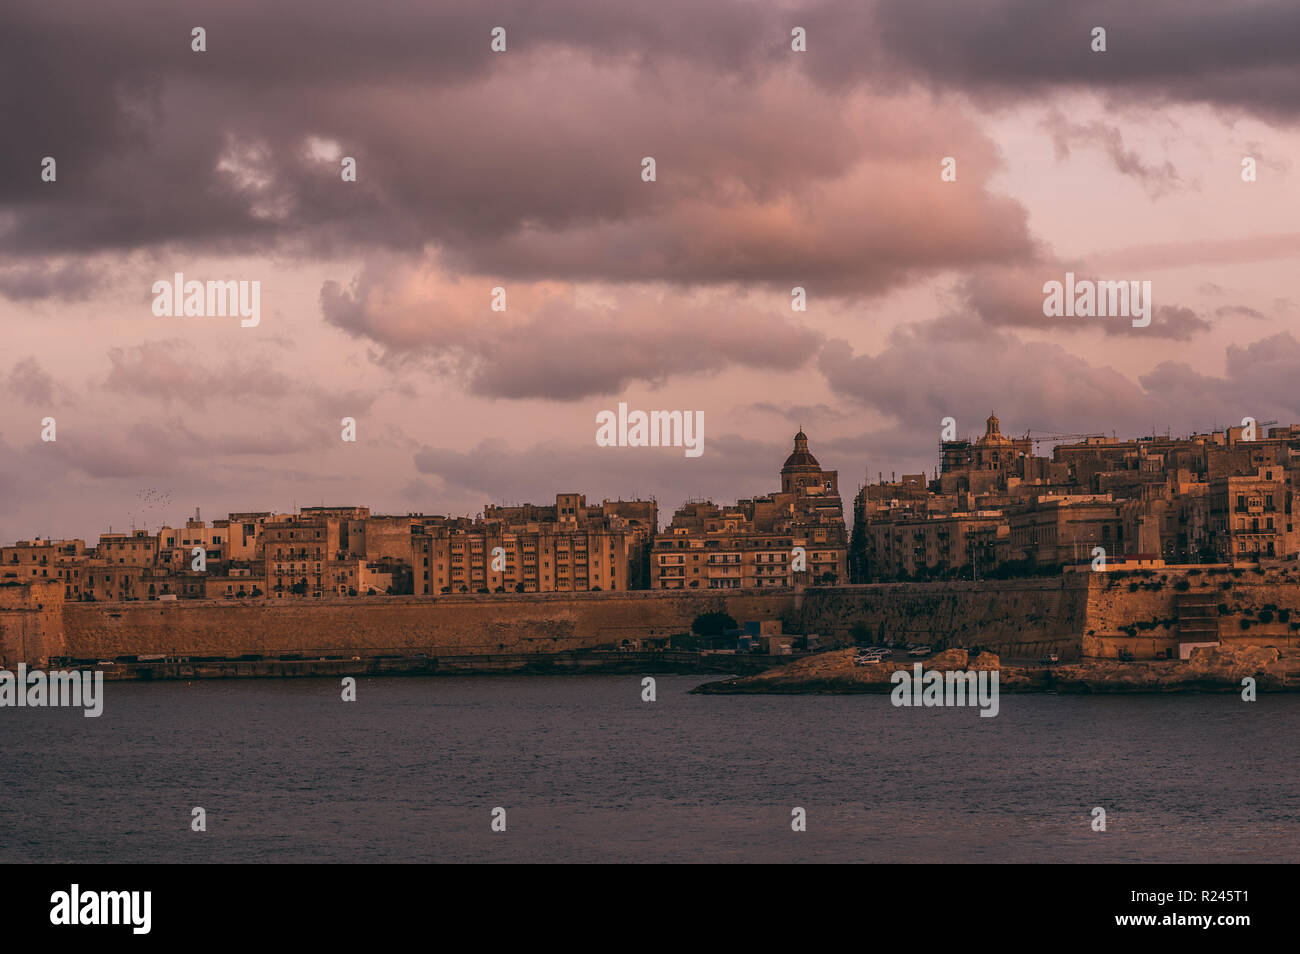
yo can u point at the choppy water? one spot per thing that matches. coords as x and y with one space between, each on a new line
588 772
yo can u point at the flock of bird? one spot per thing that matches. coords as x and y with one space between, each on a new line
149 502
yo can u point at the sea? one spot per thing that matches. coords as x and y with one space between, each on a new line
582 768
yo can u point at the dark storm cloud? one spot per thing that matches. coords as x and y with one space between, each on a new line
775 167
137 121
527 160
33 281
534 171
1241 56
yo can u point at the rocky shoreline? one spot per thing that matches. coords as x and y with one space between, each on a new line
1208 670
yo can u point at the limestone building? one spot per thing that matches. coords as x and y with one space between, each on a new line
794 536
566 547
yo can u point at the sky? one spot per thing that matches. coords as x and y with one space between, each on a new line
523 170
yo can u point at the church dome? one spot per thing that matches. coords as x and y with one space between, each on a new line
801 456
993 433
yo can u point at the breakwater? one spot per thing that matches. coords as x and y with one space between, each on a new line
1208 669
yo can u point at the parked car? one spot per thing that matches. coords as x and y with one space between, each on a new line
919 651
1048 658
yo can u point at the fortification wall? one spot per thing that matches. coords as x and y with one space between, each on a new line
437 626
31 623
1137 610
1092 614
1009 617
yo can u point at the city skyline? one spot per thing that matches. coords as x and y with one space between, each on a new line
819 168
994 502
183 512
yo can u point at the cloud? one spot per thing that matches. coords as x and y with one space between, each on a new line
524 165
958 367
170 448
494 471
1158 52
1173 322
775 169
1199 252
528 162
30 383
34 281
1013 297
1157 180
812 413
559 342
172 370
1256 151
952 366
1243 311
1259 379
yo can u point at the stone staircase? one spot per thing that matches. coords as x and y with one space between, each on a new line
1197 617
